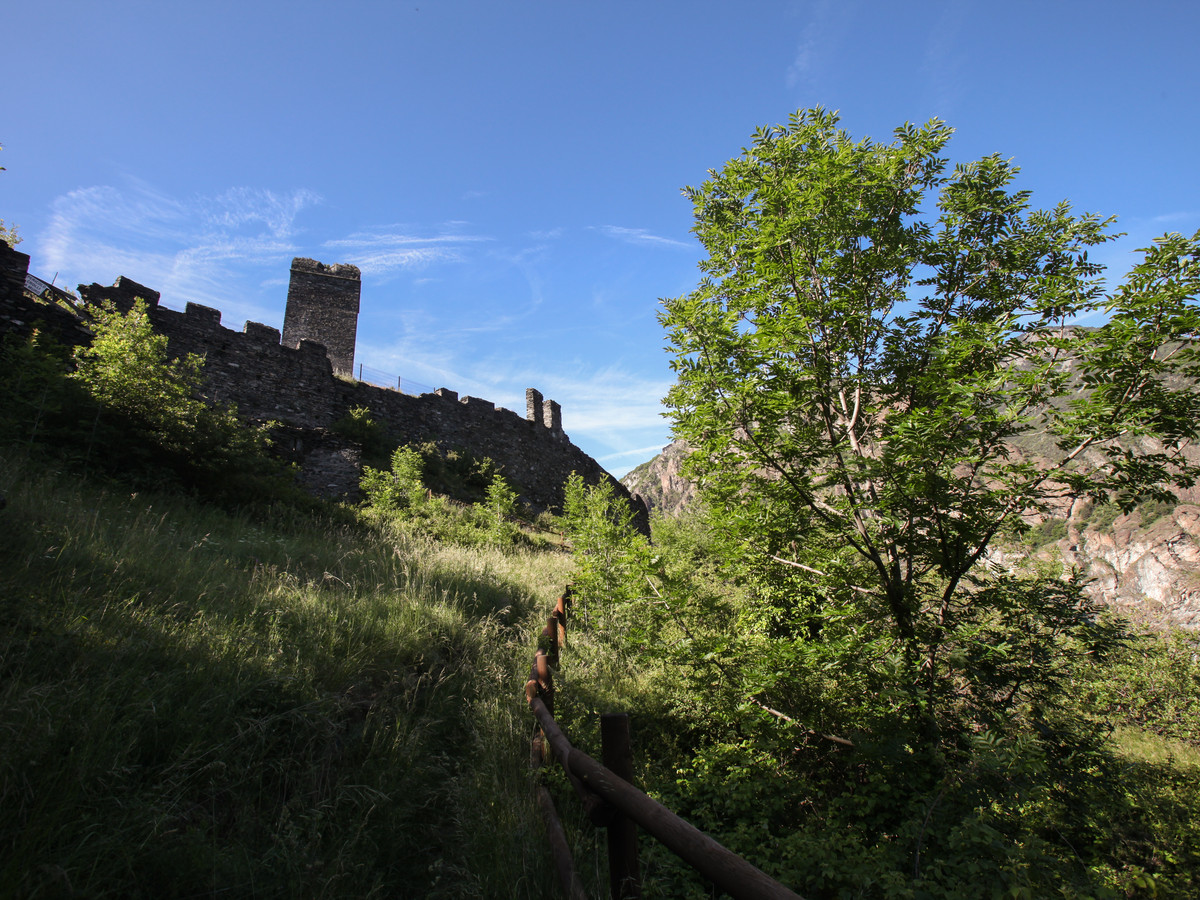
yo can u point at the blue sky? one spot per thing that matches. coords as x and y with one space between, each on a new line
507 175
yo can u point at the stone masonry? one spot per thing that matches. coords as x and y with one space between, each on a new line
267 380
322 306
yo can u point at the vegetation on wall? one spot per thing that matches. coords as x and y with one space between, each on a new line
404 496
121 406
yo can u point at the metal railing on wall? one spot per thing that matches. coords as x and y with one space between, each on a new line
380 378
612 802
47 290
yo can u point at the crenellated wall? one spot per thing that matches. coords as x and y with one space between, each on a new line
297 387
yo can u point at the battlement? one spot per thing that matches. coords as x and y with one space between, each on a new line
121 295
328 270
269 379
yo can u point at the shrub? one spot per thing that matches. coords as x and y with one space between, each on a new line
401 487
1048 531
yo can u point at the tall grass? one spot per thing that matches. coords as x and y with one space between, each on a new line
195 703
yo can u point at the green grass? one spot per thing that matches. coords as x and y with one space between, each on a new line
194 703
1141 746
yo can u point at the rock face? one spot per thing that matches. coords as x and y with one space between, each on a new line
1149 570
1146 564
659 482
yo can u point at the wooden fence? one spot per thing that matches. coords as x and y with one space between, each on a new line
615 804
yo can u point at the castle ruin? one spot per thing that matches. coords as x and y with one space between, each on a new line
292 379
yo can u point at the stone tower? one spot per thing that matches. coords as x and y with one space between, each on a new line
322 306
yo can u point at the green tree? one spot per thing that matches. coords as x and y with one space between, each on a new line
613 559
150 416
8 234
872 337
127 370
499 510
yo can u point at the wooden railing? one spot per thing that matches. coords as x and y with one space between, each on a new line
615 804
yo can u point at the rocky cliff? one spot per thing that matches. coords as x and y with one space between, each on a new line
659 482
1145 563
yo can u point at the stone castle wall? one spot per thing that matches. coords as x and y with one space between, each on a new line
267 380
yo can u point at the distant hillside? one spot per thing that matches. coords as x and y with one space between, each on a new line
1146 563
660 483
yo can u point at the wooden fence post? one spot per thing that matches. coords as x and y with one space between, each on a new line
624 877
550 633
545 679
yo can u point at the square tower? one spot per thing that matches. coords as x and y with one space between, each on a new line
322 306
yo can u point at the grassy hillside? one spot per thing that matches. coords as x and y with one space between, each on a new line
198 703
311 700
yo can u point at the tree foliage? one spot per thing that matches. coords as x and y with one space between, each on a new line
120 405
612 559
874 335
400 487
406 495
126 368
150 416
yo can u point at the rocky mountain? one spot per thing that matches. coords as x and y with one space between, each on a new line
659 482
1145 563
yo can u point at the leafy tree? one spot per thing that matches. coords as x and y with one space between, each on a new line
126 368
499 510
612 559
149 414
873 335
8 234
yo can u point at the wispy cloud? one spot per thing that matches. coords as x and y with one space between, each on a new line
1173 217
189 249
400 239
814 48
640 236
383 262
606 402
386 251
614 413
641 454
239 207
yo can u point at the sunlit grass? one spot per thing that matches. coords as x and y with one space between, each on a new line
1139 745
194 703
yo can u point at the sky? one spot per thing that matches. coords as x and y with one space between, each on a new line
508 175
